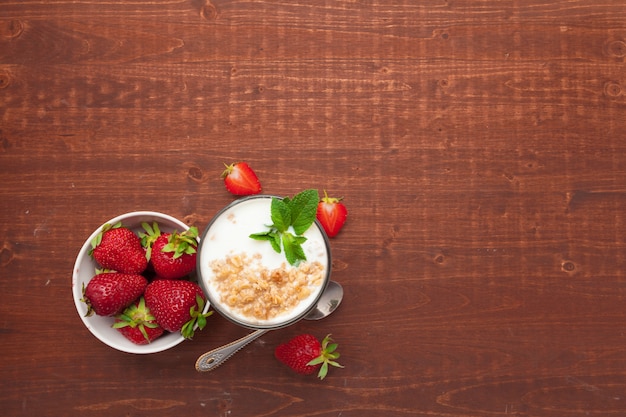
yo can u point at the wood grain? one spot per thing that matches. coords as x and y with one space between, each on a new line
480 148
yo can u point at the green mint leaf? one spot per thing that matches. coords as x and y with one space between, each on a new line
299 240
275 242
303 208
293 249
261 236
281 214
270 236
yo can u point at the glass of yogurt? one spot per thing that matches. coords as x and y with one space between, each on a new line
247 281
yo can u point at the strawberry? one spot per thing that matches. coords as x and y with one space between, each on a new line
240 179
332 214
137 324
119 249
171 255
177 305
109 293
305 354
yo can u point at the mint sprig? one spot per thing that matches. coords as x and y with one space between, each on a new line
297 213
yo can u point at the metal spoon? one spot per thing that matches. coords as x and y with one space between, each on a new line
328 302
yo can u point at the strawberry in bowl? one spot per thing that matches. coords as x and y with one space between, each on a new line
111 303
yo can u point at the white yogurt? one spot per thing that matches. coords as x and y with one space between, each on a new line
228 235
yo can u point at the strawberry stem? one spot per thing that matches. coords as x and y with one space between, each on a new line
330 200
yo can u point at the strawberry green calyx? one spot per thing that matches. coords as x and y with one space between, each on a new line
197 318
137 316
327 357
148 238
182 243
95 242
330 200
229 169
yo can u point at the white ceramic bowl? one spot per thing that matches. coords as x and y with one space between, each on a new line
228 233
84 270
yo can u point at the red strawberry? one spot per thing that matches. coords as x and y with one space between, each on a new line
177 305
305 354
109 293
137 324
240 179
332 214
171 255
119 249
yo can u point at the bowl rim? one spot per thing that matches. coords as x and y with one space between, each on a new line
91 323
216 304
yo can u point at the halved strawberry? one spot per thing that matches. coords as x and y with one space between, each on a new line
332 214
240 179
137 324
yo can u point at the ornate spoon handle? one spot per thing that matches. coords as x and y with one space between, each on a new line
216 357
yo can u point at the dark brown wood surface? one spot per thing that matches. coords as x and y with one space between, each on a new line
480 147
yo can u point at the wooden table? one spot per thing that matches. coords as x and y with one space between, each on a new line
479 146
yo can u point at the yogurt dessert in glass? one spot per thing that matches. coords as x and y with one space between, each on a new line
247 280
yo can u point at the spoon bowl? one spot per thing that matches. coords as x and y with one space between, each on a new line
327 303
